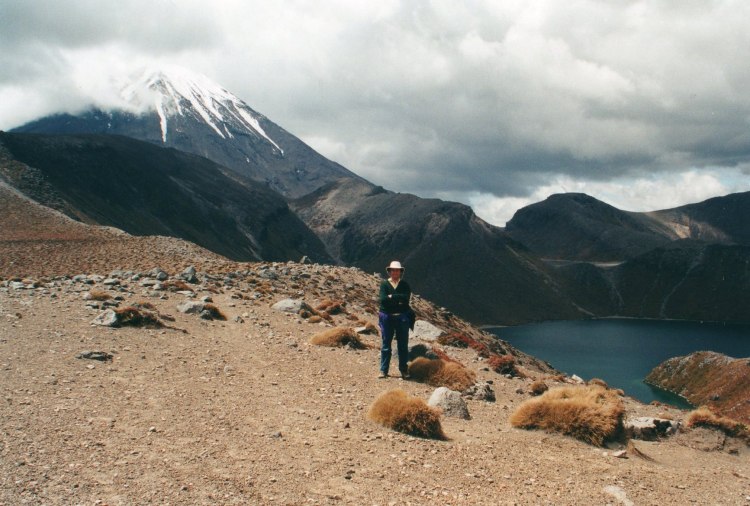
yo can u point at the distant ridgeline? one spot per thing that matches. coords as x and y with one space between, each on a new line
567 257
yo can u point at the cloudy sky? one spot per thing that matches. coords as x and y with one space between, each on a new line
497 104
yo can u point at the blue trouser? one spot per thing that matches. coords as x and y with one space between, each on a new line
390 325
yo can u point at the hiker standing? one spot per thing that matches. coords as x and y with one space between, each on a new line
395 317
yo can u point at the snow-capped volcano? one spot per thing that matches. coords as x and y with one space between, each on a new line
175 91
178 108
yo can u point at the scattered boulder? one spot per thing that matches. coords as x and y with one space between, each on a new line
102 356
649 428
188 275
268 274
158 274
291 306
481 391
107 318
425 331
450 402
190 307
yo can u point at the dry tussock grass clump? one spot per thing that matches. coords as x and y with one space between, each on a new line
439 373
442 355
133 317
454 339
144 305
176 285
590 413
503 364
213 312
337 337
598 381
370 328
459 340
331 306
99 295
396 410
704 417
538 387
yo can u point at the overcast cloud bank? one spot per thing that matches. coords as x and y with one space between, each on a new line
495 104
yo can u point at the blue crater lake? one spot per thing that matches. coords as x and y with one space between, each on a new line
623 351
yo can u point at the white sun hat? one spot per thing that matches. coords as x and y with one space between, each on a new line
395 265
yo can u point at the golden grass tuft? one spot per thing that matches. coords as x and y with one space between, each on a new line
99 295
338 336
176 285
331 307
133 317
144 304
591 413
502 364
538 387
396 410
598 381
704 417
214 312
439 373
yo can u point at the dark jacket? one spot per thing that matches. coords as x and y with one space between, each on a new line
395 300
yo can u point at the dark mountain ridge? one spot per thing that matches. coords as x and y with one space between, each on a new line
452 256
148 190
574 226
685 280
723 219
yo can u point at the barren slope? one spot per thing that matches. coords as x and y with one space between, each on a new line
708 378
246 411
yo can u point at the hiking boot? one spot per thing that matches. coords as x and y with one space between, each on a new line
382 375
405 374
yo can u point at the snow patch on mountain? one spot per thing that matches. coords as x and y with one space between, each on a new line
174 91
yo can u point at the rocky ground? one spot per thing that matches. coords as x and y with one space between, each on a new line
246 411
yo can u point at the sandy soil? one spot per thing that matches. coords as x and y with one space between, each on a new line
250 413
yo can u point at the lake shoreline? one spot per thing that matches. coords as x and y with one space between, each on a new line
623 351
685 399
637 318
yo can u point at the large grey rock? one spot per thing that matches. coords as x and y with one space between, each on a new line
425 331
480 392
189 275
450 402
158 274
291 306
107 318
190 307
268 274
649 428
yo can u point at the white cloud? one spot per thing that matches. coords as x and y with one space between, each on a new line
477 98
